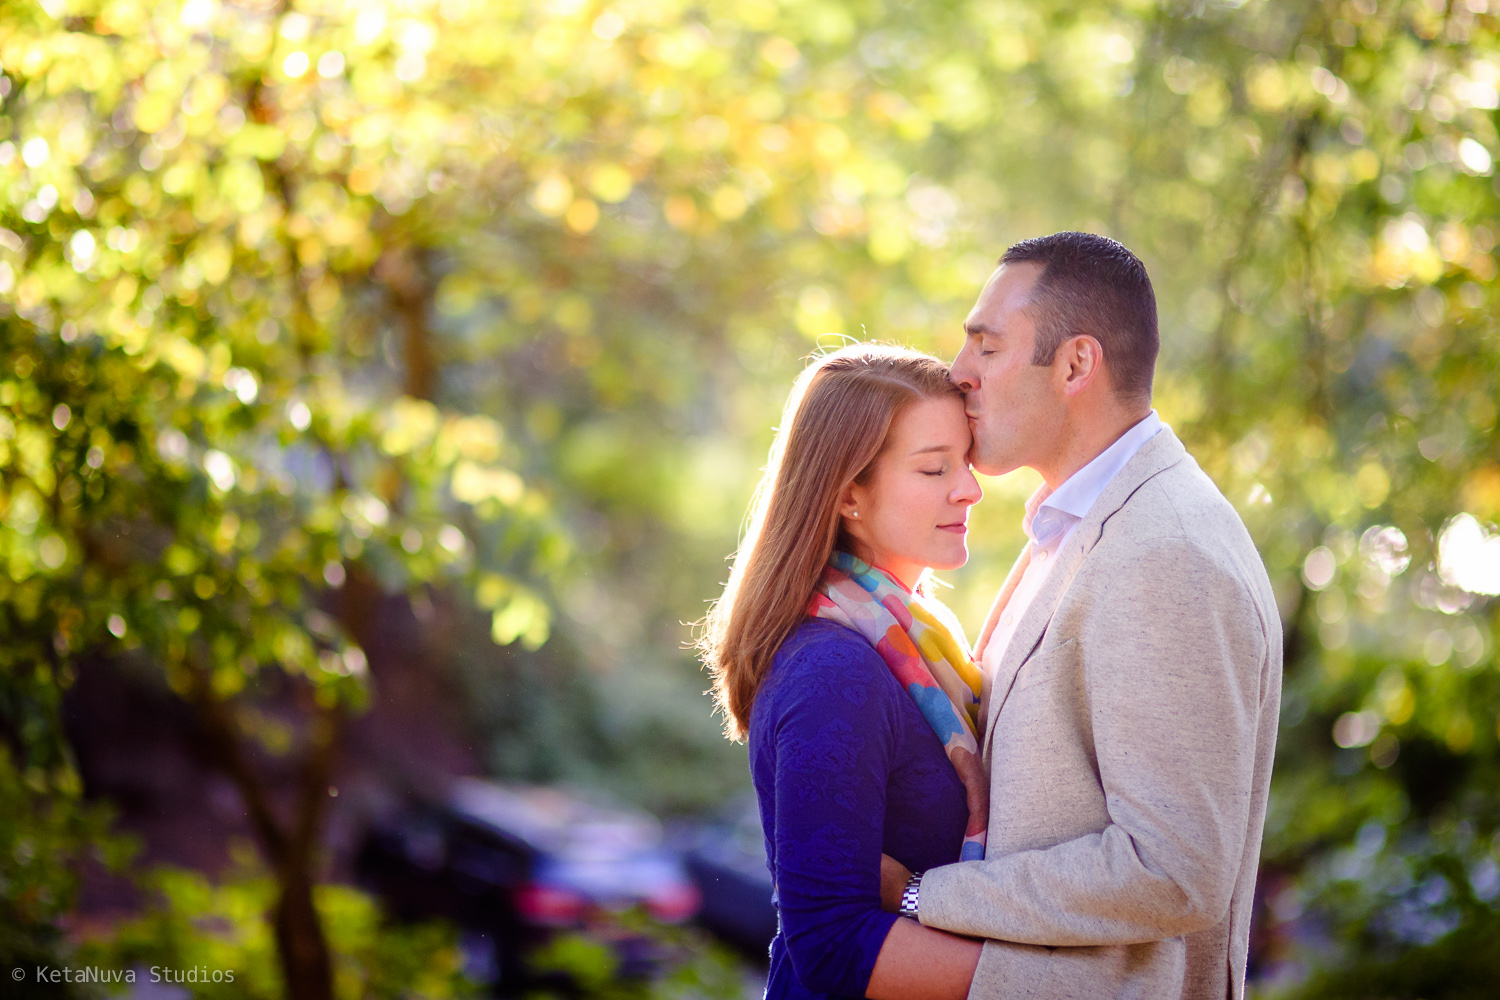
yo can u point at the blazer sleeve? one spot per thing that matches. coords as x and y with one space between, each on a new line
1173 680
833 749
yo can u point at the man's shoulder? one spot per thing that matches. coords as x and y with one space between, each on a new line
1179 502
1179 517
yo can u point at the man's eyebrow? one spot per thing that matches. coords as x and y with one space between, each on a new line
976 329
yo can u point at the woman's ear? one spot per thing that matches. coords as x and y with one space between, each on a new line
849 502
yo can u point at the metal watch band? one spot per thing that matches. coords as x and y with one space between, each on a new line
909 895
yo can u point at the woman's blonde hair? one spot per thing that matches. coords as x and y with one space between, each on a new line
833 428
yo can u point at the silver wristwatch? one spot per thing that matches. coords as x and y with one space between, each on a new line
909 896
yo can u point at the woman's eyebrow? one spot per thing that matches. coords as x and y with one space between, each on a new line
933 447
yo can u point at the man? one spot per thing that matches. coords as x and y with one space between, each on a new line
1132 661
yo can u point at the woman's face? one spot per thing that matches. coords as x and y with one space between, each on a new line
912 514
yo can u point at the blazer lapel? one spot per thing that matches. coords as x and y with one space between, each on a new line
1160 453
1033 623
986 682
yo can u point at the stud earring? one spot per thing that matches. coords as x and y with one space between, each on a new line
854 513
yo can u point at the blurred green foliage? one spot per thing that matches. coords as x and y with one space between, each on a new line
504 298
46 838
193 924
691 966
188 465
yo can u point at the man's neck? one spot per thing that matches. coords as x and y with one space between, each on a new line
1082 441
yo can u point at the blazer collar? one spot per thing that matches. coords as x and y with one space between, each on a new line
1155 456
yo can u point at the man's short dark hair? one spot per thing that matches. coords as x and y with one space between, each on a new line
1093 285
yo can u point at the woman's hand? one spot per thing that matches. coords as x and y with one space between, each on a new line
893 878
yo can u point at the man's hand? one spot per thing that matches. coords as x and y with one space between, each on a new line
893 878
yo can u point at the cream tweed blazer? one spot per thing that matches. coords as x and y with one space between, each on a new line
1129 733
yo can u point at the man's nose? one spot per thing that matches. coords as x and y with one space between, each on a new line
960 373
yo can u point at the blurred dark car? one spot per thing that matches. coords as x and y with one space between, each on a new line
512 864
727 859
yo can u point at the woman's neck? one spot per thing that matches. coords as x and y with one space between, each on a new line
904 572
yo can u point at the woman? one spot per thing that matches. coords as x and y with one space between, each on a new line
855 690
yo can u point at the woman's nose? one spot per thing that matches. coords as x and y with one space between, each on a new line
969 491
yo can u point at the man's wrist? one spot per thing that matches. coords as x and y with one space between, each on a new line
911 896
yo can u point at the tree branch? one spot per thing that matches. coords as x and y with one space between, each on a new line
223 732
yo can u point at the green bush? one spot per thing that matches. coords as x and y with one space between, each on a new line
693 967
46 834
197 924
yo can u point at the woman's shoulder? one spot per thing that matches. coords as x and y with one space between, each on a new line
822 657
824 641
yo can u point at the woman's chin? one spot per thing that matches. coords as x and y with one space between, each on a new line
952 562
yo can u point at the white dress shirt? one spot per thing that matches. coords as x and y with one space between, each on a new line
1051 516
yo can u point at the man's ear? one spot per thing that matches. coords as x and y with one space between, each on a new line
1082 362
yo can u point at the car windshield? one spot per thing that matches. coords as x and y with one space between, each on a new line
555 821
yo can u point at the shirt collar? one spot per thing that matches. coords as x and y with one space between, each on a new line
1050 512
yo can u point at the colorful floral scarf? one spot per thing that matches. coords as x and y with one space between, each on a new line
923 645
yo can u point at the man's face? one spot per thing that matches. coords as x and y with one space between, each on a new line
1016 409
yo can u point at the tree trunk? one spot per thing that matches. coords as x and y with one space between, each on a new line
402 272
305 961
300 944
